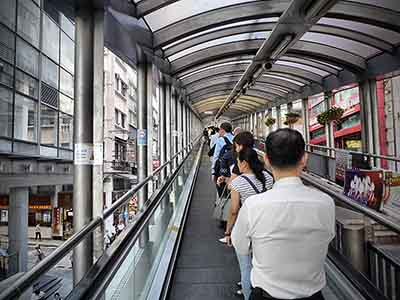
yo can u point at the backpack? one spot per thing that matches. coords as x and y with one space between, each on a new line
224 160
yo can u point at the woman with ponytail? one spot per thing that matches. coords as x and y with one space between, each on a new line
253 180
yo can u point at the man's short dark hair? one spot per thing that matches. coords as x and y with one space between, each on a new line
285 148
226 126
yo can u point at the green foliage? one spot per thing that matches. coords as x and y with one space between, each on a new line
332 114
269 121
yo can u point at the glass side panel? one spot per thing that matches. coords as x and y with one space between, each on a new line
134 278
304 61
180 10
220 41
379 32
341 43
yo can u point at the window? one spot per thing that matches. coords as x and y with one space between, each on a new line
48 126
317 133
49 72
117 81
66 83
66 131
7 44
27 58
123 117
349 122
25 124
67 53
117 116
29 21
66 104
6 115
132 118
120 151
7 12
50 38
124 88
6 74
26 84
67 27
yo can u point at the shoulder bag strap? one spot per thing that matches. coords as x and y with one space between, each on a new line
251 183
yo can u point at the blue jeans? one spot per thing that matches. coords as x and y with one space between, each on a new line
245 269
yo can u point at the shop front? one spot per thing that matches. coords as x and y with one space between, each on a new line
63 216
347 131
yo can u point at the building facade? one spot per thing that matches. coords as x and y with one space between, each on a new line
120 123
36 122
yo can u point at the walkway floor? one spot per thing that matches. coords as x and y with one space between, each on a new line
206 269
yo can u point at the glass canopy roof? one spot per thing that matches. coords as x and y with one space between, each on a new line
209 44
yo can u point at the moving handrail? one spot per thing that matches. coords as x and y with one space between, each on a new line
330 189
27 280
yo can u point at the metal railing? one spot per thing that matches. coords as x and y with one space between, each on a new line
28 279
309 148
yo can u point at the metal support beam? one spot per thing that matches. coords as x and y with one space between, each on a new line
163 125
176 129
142 144
306 121
98 126
83 134
168 121
369 117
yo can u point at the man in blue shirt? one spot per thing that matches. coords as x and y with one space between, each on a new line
225 132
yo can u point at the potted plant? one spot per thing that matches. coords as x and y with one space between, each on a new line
269 121
292 117
332 114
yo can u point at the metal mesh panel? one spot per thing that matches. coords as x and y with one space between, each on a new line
49 95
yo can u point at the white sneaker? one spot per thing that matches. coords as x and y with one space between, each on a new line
223 240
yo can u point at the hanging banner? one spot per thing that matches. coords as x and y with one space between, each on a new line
142 137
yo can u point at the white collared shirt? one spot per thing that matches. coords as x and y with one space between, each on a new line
289 228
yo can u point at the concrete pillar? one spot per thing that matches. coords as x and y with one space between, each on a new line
57 232
18 230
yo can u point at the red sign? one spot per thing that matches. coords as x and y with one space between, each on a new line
346 99
156 164
314 100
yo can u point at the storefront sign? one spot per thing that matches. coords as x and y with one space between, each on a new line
391 204
57 222
142 137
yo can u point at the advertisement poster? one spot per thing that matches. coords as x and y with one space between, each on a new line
391 204
364 187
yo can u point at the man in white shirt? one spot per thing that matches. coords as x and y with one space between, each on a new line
288 227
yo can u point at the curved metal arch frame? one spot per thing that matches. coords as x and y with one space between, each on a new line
352 35
215 52
217 103
223 93
225 89
212 18
348 60
260 84
310 63
221 33
290 72
365 13
222 78
245 98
